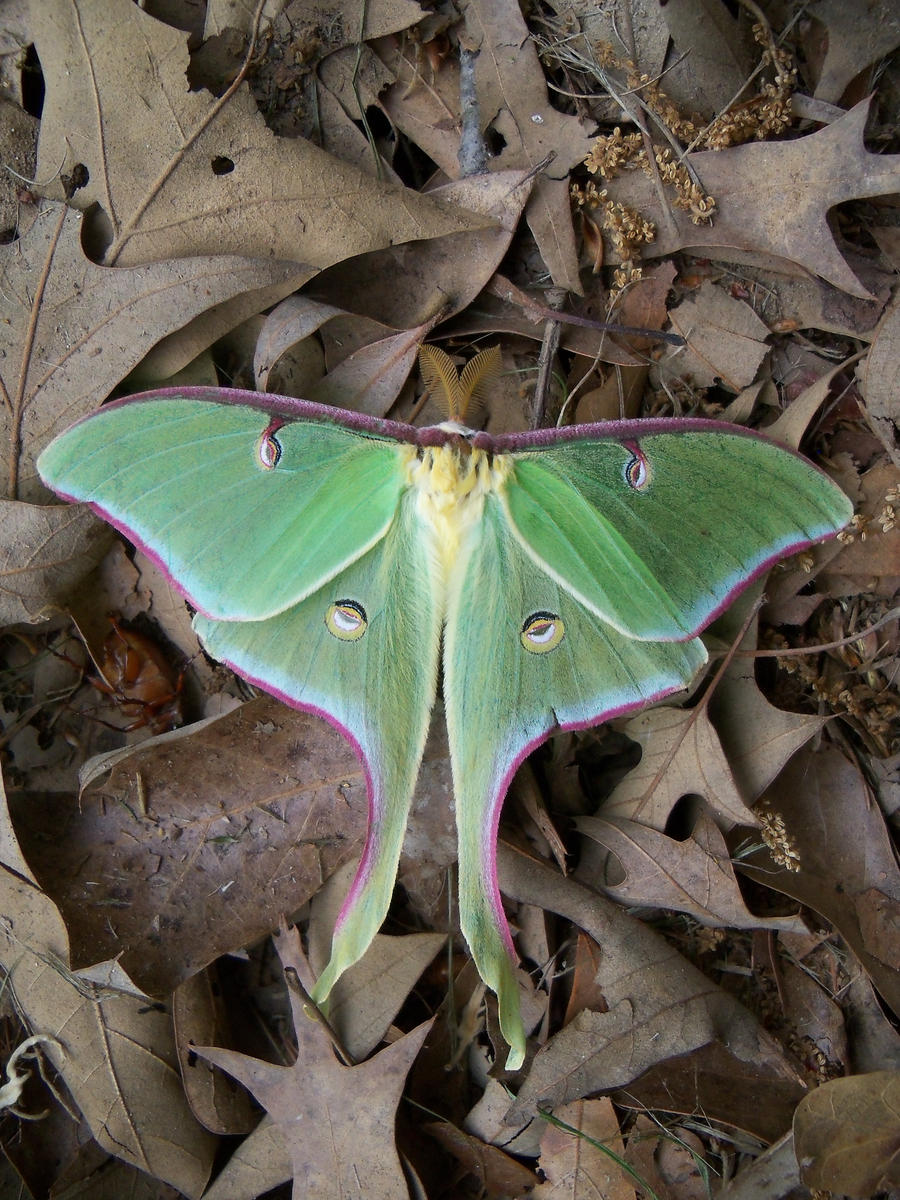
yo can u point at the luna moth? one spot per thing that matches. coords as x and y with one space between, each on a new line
556 578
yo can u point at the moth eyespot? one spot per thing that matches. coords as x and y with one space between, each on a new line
269 452
268 449
637 470
347 620
542 632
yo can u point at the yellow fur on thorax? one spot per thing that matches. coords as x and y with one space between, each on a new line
451 486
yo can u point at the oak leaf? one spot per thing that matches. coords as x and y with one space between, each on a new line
773 197
337 1122
183 172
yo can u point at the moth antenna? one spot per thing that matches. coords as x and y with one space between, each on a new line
476 380
442 380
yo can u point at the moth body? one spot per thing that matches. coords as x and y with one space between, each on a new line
451 483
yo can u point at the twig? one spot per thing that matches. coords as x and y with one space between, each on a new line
472 154
556 298
800 651
354 83
503 289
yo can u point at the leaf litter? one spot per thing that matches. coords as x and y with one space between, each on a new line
705 894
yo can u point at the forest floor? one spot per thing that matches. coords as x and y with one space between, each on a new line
703 894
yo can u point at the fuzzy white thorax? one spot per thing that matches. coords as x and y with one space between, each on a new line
451 484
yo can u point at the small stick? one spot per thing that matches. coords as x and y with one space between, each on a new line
556 297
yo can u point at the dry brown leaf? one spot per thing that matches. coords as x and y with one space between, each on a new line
681 755
710 1080
789 597
261 1162
773 1173
848 871
658 1005
773 197
486 1120
693 876
646 1153
149 592
349 83
185 173
115 1051
719 50
869 565
847 1135
367 361
512 94
347 26
881 374
368 996
18 152
643 304
854 41
429 847
183 357
887 238
756 737
574 1168
795 299
74 330
45 552
36 1150
583 964
222 15
812 1014
200 1015
792 424
497 1173
90 1174
369 380
323 56
504 314
337 1122
194 845
681 1158
606 24
441 275
290 323
725 340
423 103
874 1042
373 358
209 834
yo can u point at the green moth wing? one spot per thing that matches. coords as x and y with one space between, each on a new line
654 533
542 662
246 509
